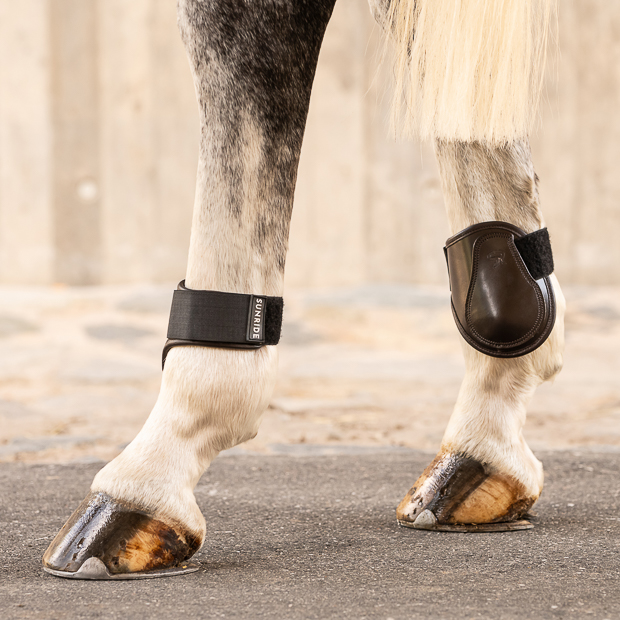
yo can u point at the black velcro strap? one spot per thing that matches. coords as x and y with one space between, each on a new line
227 320
535 250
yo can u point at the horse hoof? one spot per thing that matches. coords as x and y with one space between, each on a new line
457 493
110 539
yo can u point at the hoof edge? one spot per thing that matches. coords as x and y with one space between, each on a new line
95 569
471 528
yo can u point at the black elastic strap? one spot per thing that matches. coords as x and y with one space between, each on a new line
227 320
535 250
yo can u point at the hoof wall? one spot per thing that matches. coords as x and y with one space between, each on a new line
465 528
95 569
457 493
109 539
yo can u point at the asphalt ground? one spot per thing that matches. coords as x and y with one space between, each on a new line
313 535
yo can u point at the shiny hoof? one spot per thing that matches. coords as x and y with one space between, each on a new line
109 539
457 493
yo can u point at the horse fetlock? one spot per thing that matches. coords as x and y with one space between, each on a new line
457 490
141 515
211 400
215 394
548 360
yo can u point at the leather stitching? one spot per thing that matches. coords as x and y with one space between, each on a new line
508 354
515 231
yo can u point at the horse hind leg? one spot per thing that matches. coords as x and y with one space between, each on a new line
253 67
470 80
485 475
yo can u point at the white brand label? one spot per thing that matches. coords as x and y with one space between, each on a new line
256 327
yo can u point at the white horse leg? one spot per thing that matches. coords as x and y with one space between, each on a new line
253 66
485 472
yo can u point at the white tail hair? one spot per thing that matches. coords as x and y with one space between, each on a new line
469 69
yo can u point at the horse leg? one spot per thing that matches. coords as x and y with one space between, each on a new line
253 65
484 471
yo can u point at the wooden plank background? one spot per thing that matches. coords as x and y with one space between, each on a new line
98 152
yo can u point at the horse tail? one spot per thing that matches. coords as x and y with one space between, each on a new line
469 69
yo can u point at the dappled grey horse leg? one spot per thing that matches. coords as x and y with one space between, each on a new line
485 472
253 65
481 182
379 10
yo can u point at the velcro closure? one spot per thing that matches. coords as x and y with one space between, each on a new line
535 250
228 320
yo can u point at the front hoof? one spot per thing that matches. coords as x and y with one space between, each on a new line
459 494
110 539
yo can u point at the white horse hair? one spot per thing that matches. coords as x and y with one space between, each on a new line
469 69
